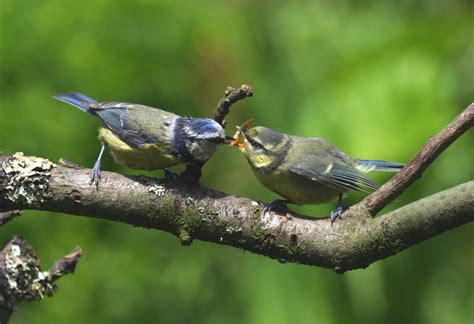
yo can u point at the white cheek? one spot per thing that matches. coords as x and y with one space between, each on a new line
202 150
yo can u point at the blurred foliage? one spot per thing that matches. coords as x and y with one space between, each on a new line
376 78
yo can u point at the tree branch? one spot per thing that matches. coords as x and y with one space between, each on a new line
190 211
194 212
425 156
21 277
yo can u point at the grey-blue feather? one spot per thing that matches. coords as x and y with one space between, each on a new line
76 99
379 165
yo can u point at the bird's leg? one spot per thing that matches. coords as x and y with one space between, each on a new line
192 173
95 179
278 205
338 211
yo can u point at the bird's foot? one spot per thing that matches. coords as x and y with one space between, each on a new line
96 177
278 206
336 213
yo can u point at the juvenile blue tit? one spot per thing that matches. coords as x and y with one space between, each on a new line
306 170
148 138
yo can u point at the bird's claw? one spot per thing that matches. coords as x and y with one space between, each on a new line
96 177
336 213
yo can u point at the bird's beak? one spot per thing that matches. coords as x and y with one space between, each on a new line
228 139
235 139
243 128
240 130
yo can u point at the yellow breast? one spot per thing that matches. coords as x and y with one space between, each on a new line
147 157
297 189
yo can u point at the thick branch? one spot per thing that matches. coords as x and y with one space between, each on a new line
425 156
21 277
194 212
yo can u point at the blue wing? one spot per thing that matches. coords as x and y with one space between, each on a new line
128 121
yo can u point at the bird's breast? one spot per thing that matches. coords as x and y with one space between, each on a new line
146 157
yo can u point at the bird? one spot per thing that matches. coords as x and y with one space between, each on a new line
305 170
147 138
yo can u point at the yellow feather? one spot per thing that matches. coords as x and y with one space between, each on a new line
146 157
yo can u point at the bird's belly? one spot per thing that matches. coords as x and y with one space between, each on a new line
146 157
297 189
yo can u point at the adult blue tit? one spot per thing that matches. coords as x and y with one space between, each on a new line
306 170
148 138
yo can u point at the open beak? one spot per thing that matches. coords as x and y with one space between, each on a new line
235 139
240 130
228 139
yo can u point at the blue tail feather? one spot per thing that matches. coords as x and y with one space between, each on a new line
76 99
380 165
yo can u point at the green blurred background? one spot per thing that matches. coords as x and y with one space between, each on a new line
376 78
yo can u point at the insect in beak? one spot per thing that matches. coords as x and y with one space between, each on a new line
240 130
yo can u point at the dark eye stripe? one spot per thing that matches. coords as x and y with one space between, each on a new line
255 144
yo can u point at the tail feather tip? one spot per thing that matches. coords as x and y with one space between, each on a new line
380 165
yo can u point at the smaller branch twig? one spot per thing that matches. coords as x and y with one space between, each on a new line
231 96
65 265
425 156
7 216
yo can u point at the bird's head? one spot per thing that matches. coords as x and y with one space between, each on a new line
200 137
263 147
